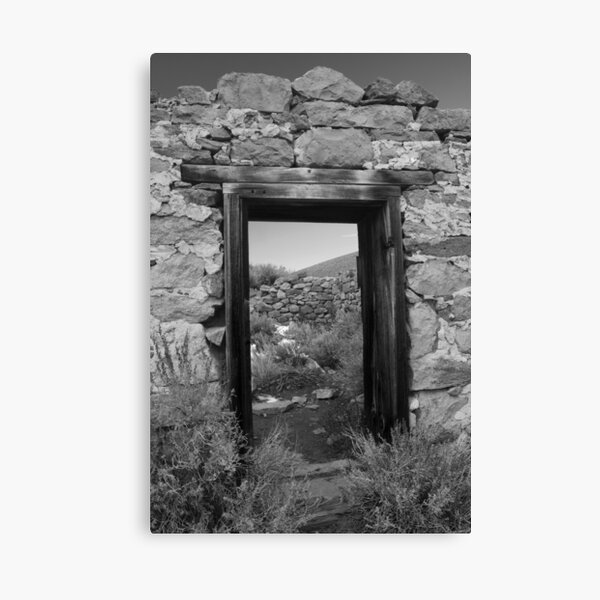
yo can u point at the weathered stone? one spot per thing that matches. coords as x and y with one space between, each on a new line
158 114
461 308
463 339
169 343
263 152
436 278
325 393
429 156
294 308
201 157
438 370
405 135
423 323
439 407
344 148
323 83
199 195
381 90
193 94
197 114
255 90
179 271
412 93
170 230
375 116
446 119
272 408
173 306
459 245
215 335
220 134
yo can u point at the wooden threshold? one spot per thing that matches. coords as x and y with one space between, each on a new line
225 174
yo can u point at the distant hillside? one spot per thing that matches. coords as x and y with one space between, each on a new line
333 266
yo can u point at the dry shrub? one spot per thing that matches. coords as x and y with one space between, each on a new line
418 483
265 274
200 483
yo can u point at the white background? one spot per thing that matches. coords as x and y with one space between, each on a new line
74 436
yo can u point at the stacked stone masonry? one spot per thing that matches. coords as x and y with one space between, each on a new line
324 120
316 299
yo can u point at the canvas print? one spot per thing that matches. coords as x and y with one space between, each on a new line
310 293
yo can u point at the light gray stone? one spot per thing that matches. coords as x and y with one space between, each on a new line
172 306
374 116
423 323
325 393
272 408
323 83
215 335
463 339
436 119
263 152
438 371
461 308
255 90
181 271
436 278
170 230
197 114
343 148
193 94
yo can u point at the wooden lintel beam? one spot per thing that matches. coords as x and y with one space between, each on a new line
226 174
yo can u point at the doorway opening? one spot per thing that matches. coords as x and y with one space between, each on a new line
306 336
375 211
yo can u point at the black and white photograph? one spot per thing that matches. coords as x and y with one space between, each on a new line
310 293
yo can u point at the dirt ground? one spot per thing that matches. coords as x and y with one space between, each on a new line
316 429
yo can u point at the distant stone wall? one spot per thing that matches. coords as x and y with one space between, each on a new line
315 299
321 119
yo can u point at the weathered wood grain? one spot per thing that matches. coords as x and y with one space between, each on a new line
226 174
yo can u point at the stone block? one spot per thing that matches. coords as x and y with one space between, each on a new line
375 116
261 92
193 94
343 148
263 152
423 323
439 370
179 271
436 278
323 83
447 119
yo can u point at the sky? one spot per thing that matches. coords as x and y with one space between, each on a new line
299 245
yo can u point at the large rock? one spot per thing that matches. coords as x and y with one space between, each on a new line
170 230
193 94
173 306
411 93
461 308
440 407
179 271
266 93
423 323
264 152
323 83
448 119
381 90
179 354
437 371
463 339
436 278
375 116
417 155
343 148
197 114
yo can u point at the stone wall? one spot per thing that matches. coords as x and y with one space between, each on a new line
321 119
316 299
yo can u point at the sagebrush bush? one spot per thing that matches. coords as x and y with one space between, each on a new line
200 483
260 323
418 483
265 274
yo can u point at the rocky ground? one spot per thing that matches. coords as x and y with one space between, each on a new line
314 422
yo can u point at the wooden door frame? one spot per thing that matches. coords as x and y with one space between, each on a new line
308 195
